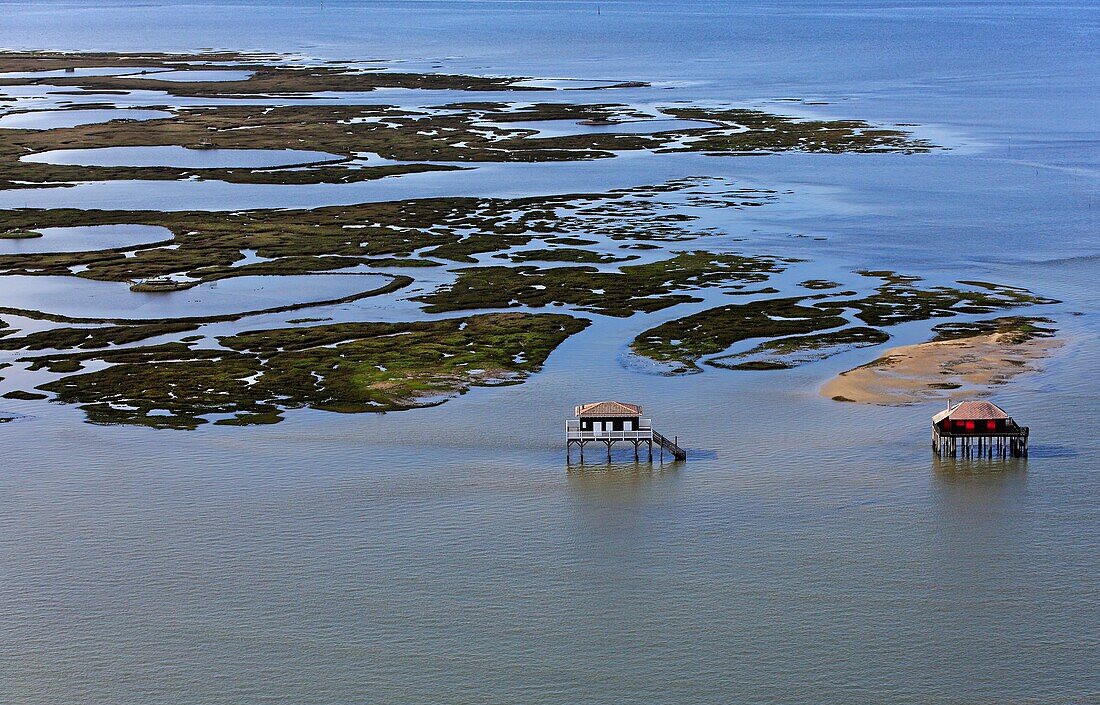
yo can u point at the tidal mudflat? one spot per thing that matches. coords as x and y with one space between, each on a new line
614 252
608 252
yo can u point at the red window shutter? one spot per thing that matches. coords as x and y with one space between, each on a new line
969 425
991 425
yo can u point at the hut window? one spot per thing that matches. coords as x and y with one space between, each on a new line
991 425
969 425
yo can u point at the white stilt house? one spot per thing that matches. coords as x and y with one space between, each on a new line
610 422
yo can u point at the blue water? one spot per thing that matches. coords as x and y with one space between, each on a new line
808 551
181 157
86 238
49 119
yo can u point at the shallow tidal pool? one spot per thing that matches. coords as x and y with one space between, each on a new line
55 119
84 298
181 157
86 238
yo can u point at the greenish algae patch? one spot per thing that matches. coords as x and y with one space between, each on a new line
765 132
784 353
209 246
642 287
565 254
899 299
348 367
92 338
270 74
682 342
819 284
24 396
417 140
576 241
1012 329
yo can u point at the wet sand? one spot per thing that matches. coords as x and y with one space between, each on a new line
951 369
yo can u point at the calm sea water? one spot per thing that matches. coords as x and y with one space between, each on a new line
807 552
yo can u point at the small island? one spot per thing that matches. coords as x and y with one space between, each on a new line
158 285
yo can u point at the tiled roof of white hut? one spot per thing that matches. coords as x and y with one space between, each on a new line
972 411
608 408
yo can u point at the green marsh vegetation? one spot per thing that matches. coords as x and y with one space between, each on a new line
420 139
815 325
254 376
643 287
349 368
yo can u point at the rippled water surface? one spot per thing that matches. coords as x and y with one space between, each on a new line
808 551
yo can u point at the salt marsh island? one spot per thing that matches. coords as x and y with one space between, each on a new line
620 251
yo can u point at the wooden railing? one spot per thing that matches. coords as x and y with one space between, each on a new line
671 446
644 432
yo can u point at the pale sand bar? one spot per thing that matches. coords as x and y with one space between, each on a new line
953 369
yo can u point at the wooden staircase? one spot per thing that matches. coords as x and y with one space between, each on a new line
677 452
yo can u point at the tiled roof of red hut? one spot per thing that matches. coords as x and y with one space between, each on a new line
608 408
973 411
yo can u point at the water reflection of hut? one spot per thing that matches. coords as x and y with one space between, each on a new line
978 428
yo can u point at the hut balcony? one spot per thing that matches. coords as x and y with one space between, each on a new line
607 431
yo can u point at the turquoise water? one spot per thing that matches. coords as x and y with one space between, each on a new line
808 551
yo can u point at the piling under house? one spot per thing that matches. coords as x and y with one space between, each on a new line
978 429
612 422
